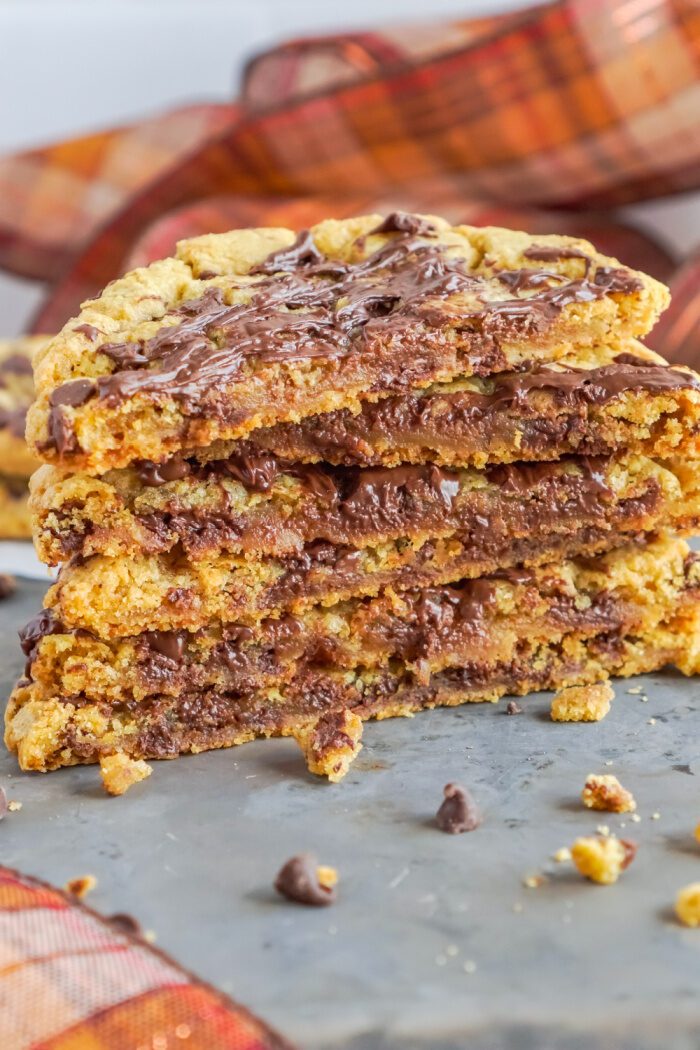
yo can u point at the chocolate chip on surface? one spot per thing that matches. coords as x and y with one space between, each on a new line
513 708
300 879
458 812
121 922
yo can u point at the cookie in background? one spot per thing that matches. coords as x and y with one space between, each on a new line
17 462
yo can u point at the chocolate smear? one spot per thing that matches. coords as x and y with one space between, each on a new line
307 306
404 222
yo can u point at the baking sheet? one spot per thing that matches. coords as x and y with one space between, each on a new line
434 942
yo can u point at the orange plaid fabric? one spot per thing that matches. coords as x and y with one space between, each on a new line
71 981
576 104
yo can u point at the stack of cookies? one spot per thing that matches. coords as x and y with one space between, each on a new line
296 482
17 462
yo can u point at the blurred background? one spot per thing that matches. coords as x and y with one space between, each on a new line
73 67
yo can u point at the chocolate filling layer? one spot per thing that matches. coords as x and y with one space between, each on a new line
432 628
547 405
346 506
211 718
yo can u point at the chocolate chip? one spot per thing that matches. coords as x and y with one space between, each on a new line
298 881
8 585
630 849
16 364
89 331
170 644
14 419
127 924
155 474
513 708
458 811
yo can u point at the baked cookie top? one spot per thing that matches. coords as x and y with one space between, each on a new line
260 326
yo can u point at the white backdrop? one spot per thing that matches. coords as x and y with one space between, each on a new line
67 66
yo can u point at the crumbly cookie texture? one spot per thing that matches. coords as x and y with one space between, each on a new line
80 886
688 904
16 395
582 703
47 729
331 744
119 772
270 507
602 858
605 792
165 358
489 622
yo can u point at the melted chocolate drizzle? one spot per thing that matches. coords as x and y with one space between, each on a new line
307 306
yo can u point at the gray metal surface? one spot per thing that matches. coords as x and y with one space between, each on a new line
192 853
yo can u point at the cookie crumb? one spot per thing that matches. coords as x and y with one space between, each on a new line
533 882
562 855
330 744
513 708
458 812
651 722
582 703
636 818
688 904
469 966
697 833
656 816
14 806
607 793
119 772
80 886
602 858
301 880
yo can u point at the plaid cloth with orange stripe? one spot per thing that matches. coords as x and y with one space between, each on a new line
71 980
574 105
